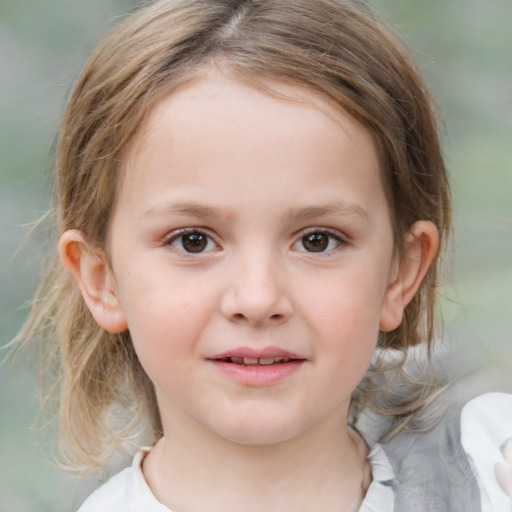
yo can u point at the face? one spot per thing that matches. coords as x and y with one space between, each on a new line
251 249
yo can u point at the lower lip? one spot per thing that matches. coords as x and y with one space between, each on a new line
258 375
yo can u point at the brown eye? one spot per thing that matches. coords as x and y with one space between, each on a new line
192 242
318 241
315 242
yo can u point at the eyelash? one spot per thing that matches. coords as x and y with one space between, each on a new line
203 238
178 236
331 237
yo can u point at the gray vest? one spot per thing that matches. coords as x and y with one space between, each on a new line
432 470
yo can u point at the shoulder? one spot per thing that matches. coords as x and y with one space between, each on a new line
431 468
443 468
486 427
127 491
112 495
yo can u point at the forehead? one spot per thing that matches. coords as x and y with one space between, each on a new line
218 92
216 130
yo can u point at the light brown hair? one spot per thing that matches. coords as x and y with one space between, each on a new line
334 48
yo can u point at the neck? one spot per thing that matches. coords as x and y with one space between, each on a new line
322 469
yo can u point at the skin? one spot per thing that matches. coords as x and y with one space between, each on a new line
253 177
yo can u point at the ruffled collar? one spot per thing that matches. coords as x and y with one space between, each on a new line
379 496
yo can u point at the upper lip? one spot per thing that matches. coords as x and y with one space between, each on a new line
263 353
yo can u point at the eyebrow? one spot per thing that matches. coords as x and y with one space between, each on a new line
192 209
333 209
189 209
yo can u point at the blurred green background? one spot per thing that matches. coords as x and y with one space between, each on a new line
463 48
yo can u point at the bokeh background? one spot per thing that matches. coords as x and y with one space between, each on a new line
463 48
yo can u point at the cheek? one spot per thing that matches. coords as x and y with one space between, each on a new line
149 327
344 317
166 320
347 305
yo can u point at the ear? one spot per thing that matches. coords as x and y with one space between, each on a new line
421 245
90 269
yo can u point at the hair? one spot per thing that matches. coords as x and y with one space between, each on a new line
332 48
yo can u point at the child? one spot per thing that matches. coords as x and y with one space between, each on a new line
251 199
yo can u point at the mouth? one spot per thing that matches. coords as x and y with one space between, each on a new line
255 361
254 368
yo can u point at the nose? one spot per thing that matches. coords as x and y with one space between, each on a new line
257 293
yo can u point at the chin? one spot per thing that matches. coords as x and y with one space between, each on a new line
257 430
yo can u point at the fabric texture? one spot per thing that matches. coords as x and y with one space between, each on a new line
432 471
443 469
125 492
484 434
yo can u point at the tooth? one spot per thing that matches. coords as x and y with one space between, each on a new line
266 360
237 360
286 359
250 360
278 359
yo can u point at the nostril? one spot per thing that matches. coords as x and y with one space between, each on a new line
273 318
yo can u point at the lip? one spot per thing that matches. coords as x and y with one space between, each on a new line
257 375
262 353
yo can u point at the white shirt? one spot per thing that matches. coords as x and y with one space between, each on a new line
486 423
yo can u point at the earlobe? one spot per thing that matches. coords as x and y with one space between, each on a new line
422 243
90 269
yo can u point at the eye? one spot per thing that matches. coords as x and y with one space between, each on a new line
192 241
318 241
